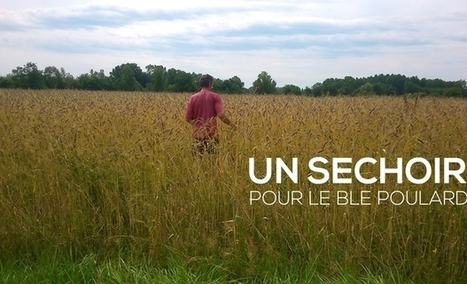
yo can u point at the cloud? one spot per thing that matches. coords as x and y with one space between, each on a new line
275 25
268 34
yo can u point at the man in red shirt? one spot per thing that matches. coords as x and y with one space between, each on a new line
201 112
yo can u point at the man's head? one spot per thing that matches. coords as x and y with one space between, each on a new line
206 81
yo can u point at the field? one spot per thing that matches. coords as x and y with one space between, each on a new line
108 179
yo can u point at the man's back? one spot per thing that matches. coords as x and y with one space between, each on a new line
203 107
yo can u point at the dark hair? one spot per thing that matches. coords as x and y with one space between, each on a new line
205 80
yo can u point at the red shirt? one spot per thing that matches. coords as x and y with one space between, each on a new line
203 107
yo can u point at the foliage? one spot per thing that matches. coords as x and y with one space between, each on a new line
93 81
264 84
157 78
291 89
365 89
157 75
233 85
28 75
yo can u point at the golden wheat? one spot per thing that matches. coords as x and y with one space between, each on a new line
105 172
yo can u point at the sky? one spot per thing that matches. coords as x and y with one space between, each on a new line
296 42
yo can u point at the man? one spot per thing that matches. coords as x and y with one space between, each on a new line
201 112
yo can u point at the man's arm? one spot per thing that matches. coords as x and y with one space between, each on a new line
225 119
219 107
189 113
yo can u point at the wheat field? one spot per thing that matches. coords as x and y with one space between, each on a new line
112 173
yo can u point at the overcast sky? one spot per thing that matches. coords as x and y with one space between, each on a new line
296 42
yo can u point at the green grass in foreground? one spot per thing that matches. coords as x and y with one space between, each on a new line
92 270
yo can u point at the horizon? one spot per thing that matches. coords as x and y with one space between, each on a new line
251 86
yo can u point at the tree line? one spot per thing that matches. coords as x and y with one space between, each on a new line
157 78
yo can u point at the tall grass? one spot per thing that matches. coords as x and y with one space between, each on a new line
111 174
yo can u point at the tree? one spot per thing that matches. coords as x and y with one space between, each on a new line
67 78
383 89
411 87
365 89
463 85
329 87
53 78
308 91
181 81
127 80
398 82
129 69
317 89
95 81
291 89
453 92
35 77
185 82
19 78
28 76
233 85
264 84
7 82
218 86
349 85
157 77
